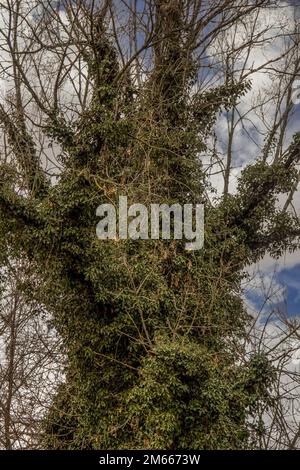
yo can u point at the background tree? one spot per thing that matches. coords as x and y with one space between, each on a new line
30 353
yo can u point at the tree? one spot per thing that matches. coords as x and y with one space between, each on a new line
152 332
30 353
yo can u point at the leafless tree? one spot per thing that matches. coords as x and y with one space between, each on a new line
31 363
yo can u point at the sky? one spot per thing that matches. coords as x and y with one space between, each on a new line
282 274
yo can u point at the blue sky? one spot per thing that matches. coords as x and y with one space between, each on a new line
277 292
290 278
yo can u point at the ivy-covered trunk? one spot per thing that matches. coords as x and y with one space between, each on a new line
153 333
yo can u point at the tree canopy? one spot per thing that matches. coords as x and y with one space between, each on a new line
153 333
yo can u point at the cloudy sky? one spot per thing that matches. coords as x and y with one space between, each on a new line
281 277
